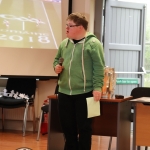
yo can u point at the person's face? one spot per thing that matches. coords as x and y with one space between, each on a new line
72 29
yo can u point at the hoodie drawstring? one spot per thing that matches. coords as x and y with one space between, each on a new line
83 65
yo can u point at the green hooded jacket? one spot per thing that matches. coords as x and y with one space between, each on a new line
83 65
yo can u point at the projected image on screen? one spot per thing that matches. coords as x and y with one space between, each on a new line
30 34
30 23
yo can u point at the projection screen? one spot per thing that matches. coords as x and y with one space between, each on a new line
30 34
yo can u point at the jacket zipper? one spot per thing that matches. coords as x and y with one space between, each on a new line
70 68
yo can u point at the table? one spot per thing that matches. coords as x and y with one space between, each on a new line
114 121
141 128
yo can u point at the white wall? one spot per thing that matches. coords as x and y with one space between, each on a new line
86 7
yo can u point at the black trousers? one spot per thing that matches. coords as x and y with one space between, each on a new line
75 124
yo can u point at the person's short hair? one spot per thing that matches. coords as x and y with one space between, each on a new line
78 19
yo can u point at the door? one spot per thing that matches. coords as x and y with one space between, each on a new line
124 43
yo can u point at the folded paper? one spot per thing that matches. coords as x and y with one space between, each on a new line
93 107
141 99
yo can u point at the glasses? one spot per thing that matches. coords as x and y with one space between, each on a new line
70 26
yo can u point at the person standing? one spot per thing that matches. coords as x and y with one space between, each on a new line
80 76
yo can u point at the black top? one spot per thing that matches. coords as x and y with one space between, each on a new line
76 41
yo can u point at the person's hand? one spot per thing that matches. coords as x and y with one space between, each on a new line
97 95
58 68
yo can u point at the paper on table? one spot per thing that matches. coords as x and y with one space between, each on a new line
93 107
142 99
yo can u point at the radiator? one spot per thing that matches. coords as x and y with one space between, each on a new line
17 114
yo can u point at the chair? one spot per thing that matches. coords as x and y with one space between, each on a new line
44 108
25 86
137 93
